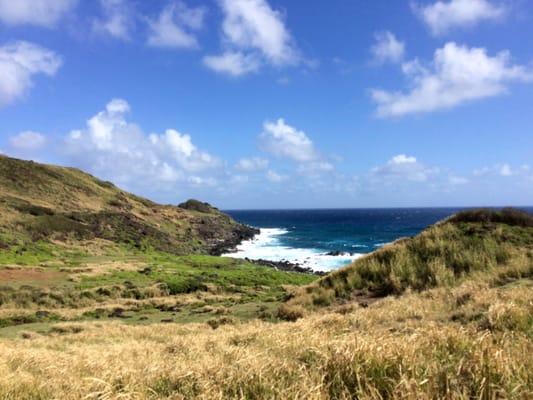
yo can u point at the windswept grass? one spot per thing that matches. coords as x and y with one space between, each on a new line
489 243
445 315
43 284
473 341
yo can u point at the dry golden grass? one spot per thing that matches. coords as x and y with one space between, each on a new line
473 341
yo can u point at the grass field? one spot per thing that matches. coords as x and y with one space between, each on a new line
445 315
46 284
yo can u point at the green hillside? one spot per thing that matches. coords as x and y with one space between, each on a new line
45 203
496 245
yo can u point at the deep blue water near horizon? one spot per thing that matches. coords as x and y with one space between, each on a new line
344 230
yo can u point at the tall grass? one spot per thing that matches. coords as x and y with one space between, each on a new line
442 255
412 347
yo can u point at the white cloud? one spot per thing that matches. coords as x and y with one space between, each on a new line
505 170
274 177
315 168
283 140
199 181
457 75
442 16
117 21
253 33
457 180
233 63
175 26
27 141
387 48
251 164
117 149
404 167
19 63
45 13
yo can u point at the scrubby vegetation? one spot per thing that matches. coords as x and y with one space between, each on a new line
508 216
495 243
49 203
471 341
97 303
133 286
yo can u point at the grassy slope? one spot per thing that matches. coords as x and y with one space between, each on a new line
473 340
136 287
497 244
49 203
458 326
74 248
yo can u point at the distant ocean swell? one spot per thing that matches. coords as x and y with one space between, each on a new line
268 245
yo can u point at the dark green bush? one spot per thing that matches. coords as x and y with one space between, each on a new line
509 216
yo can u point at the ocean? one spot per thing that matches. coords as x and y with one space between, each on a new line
325 240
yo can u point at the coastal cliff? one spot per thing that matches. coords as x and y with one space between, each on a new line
46 203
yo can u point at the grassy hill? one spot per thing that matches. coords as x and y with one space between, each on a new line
104 295
74 248
45 203
488 243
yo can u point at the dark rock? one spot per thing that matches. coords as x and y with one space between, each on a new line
286 266
145 271
117 313
239 234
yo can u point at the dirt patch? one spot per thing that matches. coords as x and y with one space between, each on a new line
24 275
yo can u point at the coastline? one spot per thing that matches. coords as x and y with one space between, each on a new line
265 248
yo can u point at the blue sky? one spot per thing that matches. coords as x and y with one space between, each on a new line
277 104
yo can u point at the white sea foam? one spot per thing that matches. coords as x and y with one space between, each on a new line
267 246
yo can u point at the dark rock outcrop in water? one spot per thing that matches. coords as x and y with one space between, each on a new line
239 234
285 266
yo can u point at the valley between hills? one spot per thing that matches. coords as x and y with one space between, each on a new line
107 295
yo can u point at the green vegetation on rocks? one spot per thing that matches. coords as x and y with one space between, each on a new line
55 204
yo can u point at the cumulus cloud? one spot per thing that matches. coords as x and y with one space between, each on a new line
117 19
404 167
274 177
457 180
233 63
283 140
27 141
113 147
458 74
387 48
45 13
19 63
175 26
253 34
503 169
316 168
442 16
251 164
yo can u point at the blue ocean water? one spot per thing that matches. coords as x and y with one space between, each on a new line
350 230
309 237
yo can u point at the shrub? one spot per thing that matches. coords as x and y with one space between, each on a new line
290 312
195 205
215 323
508 216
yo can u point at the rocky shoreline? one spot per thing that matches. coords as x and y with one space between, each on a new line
285 266
240 233
247 233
